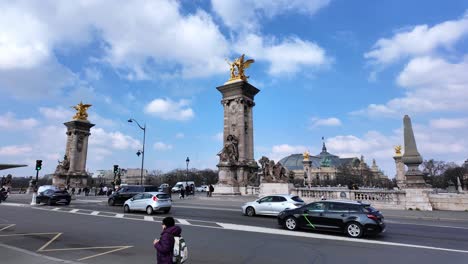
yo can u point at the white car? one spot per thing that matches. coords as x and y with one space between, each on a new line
203 188
149 202
272 204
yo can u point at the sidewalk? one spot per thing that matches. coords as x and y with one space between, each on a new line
14 255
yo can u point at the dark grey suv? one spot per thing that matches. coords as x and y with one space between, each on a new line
350 217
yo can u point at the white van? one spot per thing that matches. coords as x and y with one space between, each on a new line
183 184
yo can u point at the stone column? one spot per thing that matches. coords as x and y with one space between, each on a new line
238 101
400 171
308 170
412 158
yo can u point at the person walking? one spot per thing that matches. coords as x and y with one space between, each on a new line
187 190
182 193
211 189
165 244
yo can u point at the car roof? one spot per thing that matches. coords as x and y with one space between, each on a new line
346 202
155 193
283 195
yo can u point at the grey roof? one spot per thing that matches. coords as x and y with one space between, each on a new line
9 166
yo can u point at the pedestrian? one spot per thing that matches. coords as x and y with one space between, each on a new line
187 190
182 193
211 189
207 191
165 244
73 191
79 191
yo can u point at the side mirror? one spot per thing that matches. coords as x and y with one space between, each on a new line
259 202
133 199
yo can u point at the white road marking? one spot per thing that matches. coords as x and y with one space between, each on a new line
209 208
95 213
149 218
56 209
441 226
119 215
74 211
320 236
183 221
14 204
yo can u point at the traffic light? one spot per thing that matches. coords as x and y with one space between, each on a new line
38 165
116 169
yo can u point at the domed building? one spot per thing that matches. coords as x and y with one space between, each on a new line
322 169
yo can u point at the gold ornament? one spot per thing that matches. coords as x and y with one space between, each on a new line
398 150
237 68
81 113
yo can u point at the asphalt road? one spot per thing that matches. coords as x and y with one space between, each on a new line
216 232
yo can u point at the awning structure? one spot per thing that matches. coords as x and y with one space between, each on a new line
10 166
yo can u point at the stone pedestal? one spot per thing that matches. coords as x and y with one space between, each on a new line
400 172
275 188
74 173
418 198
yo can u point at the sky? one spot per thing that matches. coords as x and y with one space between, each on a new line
347 71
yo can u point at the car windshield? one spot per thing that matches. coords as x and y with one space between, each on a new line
163 196
297 199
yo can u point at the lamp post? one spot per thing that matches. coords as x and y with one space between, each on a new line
143 151
187 160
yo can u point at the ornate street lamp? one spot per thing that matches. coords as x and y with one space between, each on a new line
186 175
142 153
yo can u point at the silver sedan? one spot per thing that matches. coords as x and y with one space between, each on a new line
272 204
149 202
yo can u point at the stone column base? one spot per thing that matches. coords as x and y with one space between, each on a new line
221 189
418 199
275 188
76 181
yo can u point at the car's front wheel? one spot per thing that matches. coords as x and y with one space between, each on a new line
149 210
126 209
291 223
50 202
354 229
250 211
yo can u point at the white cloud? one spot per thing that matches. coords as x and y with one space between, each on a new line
280 151
449 123
170 110
432 85
421 40
14 150
115 140
162 146
249 18
332 121
8 121
180 135
218 137
58 113
288 56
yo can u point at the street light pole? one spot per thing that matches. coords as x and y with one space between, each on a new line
186 175
143 151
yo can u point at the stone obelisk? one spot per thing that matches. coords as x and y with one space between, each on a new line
72 170
236 159
416 189
411 158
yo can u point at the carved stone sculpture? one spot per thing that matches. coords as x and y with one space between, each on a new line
272 172
63 166
230 152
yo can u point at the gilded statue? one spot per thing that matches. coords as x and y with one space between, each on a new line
398 150
306 155
237 68
81 113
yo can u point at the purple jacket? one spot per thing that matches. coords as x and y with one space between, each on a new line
165 246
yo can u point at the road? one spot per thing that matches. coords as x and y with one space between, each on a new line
89 231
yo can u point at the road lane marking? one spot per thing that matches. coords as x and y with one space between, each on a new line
38 255
183 221
441 226
56 209
6 227
107 252
74 210
266 230
119 215
94 213
209 208
48 243
148 218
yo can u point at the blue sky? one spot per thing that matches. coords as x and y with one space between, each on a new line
345 70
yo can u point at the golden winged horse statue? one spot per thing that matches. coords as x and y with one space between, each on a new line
237 68
81 113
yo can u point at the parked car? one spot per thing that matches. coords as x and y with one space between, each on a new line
203 188
128 191
51 196
46 187
272 204
149 202
162 187
355 219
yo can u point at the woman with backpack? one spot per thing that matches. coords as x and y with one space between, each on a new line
165 244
